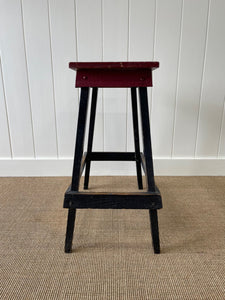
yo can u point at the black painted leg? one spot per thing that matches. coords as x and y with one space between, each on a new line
81 124
146 138
70 229
90 135
149 164
77 163
136 136
87 172
154 230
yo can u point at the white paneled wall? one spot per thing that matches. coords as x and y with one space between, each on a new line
39 104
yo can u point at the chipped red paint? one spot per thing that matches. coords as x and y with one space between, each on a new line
114 74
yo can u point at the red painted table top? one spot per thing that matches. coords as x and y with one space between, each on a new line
114 65
114 74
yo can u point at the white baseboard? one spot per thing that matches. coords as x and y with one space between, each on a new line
162 167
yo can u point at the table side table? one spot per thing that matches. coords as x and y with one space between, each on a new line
93 75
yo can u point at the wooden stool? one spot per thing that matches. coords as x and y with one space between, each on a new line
113 74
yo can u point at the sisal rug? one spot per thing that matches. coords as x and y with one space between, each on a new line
112 254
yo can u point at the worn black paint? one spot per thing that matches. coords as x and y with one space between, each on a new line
138 200
90 135
112 156
136 136
154 230
146 138
70 229
150 200
79 146
77 163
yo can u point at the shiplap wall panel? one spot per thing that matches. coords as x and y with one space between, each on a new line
212 100
190 76
39 103
141 29
141 47
167 40
64 50
89 30
115 48
89 44
38 50
14 70
5 148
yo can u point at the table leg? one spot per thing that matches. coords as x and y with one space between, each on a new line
136 136
149 164
90 135
70 229
77 163
146 138
154 230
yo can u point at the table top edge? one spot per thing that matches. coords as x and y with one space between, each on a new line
114 65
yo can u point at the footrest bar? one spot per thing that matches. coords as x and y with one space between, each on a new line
111 156
138 200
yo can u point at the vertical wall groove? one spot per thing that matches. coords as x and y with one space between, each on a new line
155 27
153 56
103 101
128 30
102 36
76 39
178 73
28 81
75 22
128 57
203 72
6 109
53 80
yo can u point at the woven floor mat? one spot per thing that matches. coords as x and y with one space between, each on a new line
112 254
